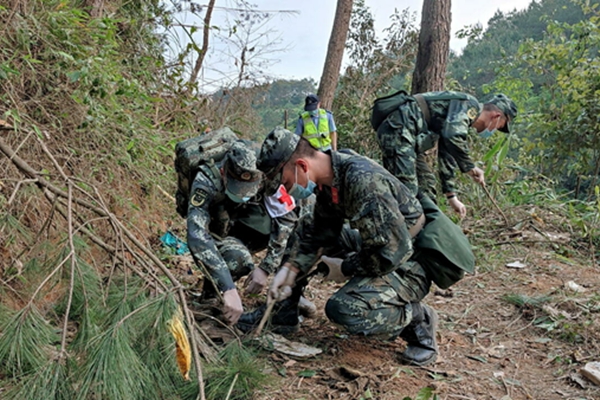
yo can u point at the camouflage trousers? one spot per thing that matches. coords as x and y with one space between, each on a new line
379 306
399 139
236 255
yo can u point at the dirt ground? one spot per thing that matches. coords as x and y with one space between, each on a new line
490 348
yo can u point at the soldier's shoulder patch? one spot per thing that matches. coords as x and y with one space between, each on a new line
472 113
199 197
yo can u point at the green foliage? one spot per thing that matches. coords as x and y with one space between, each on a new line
521 300
282 96
562 132
240 372
26 342
48 382
376 68
113 370
426 393
475 66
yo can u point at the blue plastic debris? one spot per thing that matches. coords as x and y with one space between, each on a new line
170 240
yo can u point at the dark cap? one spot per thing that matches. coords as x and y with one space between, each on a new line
276 150
311 102
242 178
506 105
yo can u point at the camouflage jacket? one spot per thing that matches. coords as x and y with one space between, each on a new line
211 215
375 203
452 113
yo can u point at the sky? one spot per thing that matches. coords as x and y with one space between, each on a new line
305 34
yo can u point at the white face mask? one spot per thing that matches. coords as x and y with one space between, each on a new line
299 192
487 132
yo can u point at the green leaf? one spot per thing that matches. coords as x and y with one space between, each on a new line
307 373
492 152
503 150
66 56
74 76
424 394
37 131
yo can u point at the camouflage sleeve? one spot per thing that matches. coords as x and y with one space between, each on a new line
446 168
454 133
281 229
202 245
386 242
322 229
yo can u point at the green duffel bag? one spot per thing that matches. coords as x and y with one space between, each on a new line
383 106
442 248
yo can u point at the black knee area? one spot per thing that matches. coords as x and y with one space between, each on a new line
334 312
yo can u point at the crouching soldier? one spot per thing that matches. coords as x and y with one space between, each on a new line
228 220
385 282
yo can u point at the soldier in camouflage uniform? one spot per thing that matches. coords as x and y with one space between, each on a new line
227 220
384 289
443 118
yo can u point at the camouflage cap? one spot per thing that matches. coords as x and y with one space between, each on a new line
506 105
276 150
241 176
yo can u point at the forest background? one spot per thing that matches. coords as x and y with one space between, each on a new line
93 100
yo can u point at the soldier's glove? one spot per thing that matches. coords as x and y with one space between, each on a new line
335 269
281 287
256 281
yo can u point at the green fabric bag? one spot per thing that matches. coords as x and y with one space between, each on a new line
442 248
384 106
190 154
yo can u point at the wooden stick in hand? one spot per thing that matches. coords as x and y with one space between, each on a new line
265 317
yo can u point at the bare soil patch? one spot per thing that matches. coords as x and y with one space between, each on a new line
490 348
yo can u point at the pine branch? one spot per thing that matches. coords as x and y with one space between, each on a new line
48 382
48 188
25 341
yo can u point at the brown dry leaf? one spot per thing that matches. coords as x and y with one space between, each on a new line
182 344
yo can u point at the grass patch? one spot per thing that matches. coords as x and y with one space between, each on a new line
238 375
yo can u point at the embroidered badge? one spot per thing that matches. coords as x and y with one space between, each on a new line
198 198
472 113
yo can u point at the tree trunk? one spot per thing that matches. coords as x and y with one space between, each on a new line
335 53
434 45
205 32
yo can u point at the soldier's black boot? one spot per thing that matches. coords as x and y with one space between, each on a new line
283 320
420 336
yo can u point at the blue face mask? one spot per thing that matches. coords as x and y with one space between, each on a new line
487 132
298 192
236 199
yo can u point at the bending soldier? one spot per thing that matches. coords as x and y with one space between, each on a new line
408 126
